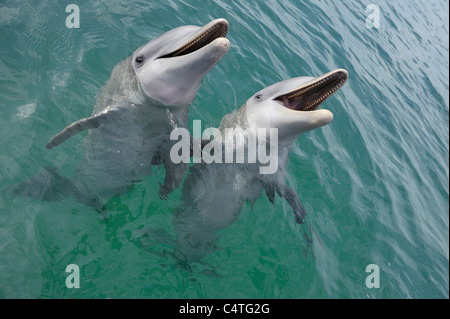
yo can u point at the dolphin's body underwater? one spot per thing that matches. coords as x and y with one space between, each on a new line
147 96
213 194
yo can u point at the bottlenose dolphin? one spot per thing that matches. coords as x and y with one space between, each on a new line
213 194
146 96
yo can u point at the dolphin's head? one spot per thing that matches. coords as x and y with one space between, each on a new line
291 106
171 68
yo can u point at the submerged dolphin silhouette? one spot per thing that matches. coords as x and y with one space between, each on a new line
213 194
147 95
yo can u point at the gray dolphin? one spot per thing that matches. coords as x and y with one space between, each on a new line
147 95
213 194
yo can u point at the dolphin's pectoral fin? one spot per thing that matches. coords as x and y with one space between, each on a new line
270 192
156 159
83 124
51 186
174 176
202 142
294 202
45 186
174 171
72 129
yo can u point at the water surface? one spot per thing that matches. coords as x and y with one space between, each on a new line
374 181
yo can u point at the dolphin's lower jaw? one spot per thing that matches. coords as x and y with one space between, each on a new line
311 95
214 30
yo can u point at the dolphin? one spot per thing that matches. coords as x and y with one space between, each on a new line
213 194
146 96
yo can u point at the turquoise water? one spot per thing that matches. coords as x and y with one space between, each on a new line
375 182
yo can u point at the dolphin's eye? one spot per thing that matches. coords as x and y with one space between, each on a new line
139 59
258 97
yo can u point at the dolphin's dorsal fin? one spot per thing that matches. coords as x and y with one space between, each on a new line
83 124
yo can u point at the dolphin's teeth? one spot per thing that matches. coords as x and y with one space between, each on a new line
206 34
310 87
196 40
310 96
325 96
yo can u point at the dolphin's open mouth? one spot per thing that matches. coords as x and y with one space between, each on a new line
310 96
217 30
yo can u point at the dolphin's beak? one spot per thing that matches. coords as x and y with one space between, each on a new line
217 28
311 95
